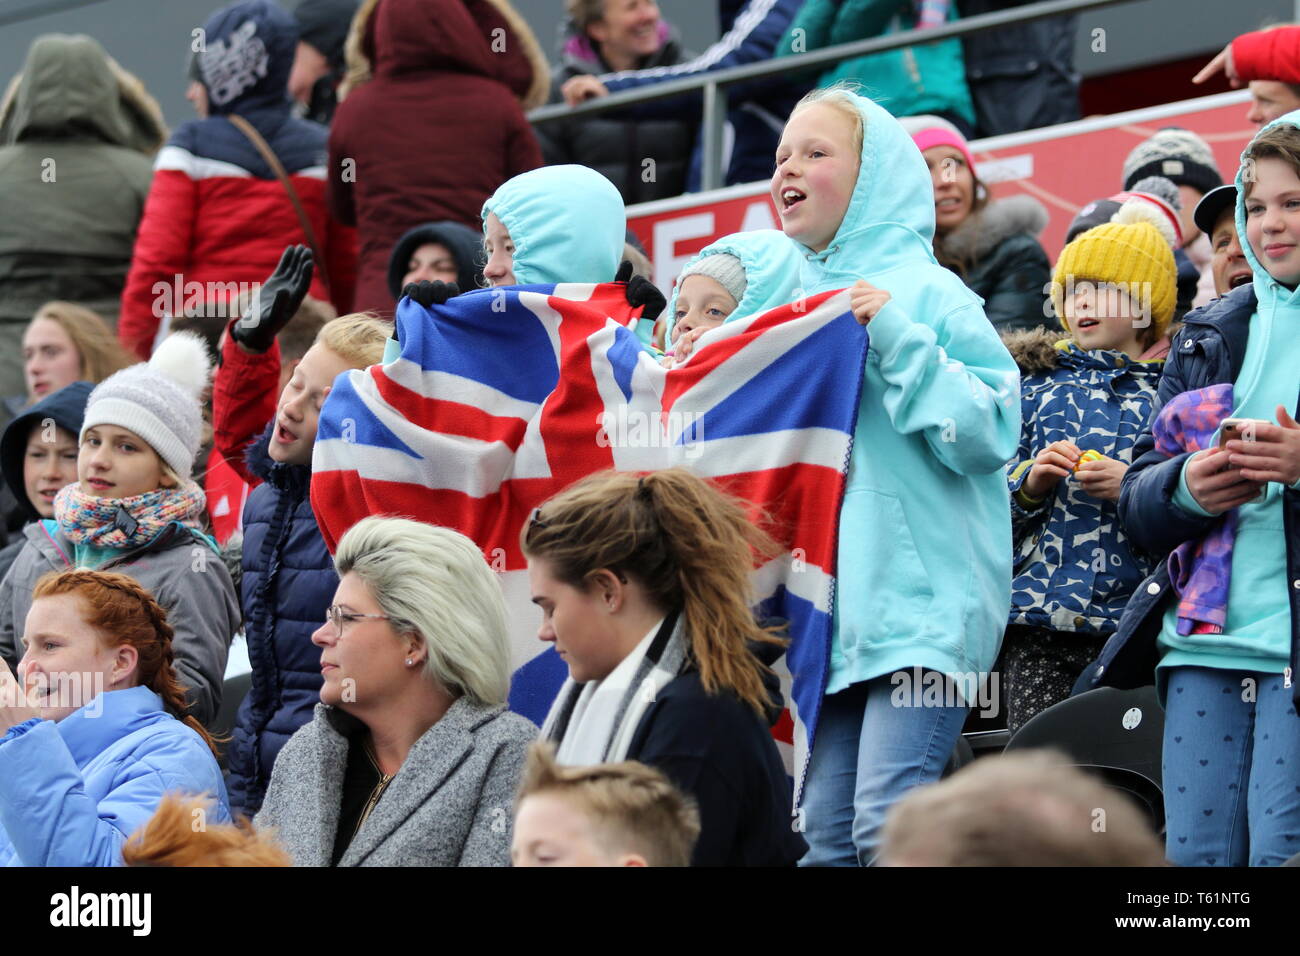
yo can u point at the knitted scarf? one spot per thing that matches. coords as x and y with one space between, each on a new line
664 660
126 522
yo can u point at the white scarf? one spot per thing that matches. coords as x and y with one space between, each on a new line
594 722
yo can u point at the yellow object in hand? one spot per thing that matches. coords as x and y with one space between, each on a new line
1088 455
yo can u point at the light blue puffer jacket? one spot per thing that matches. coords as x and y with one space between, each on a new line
566 222
72 792
924 565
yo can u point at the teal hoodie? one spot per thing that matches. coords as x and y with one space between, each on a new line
1257 633
567 224
771 263
924 563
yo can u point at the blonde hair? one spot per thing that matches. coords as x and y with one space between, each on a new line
632 808
98 348
359 338
178 834
841 96
688 544
1026 808
434 582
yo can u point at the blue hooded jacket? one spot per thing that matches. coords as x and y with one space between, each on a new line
924 562
72 792
771 263
567 224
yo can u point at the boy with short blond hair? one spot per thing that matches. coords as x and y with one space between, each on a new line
616 814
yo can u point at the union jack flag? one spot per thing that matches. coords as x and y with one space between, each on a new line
503 397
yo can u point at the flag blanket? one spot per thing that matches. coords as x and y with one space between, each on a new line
503 397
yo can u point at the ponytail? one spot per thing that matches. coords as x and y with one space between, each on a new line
689 545
124 612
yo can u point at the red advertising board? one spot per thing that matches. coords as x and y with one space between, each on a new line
1064 167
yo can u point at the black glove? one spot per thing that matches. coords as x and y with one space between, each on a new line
428 293
641 292
276 301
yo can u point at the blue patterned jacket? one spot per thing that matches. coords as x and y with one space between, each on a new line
1074 568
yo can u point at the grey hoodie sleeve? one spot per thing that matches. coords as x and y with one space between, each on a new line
8 639
204 614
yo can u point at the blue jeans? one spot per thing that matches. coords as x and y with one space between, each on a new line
867 754
1231 769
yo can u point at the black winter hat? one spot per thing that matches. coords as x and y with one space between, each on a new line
465 245
324 24
67 409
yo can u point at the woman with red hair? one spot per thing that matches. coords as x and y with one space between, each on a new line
94 729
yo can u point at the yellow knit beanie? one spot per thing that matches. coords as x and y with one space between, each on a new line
1129 251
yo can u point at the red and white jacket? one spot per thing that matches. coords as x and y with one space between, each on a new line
217 220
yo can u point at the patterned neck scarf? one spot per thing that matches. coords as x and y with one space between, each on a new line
126 522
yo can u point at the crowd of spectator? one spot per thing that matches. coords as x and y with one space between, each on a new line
1068 475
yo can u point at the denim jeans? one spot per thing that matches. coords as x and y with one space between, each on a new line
1231 769
867 754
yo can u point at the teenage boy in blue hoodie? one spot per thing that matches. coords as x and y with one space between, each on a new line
1231 772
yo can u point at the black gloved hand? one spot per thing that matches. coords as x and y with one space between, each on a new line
428 293
276 301
641 292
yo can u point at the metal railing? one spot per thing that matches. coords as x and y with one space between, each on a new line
714 85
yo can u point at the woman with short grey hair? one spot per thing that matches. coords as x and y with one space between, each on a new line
411 758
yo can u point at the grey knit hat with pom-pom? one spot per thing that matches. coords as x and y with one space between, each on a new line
159 400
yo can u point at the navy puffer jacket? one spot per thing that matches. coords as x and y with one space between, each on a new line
289 581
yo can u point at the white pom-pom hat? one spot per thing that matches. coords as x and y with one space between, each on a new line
159 400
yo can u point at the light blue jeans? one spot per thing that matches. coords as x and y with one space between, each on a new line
867 754
1231 769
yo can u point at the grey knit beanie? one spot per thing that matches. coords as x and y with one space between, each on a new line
1177 154
723 268
159 400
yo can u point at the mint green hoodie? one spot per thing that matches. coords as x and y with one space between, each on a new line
567 224
1257 633
771 263
924 564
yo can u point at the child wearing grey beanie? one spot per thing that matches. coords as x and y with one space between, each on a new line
700 306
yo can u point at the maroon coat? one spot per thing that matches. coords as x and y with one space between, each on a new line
437 125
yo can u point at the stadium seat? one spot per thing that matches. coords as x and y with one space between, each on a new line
1117 734
232 695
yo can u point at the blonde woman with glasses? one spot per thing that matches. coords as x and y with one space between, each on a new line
411 758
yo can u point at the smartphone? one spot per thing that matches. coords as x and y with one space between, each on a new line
1239 429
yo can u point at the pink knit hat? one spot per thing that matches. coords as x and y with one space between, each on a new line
928 130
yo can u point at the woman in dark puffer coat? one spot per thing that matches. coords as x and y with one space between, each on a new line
992 245
618 149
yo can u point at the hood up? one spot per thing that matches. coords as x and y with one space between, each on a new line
247 56
70 89
567 224
457 36
771 262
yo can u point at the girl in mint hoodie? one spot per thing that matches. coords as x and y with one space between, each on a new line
924 563
1231 762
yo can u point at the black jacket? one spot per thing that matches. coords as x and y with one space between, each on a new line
619 149
1008 266
1208 350
1021 77
719 751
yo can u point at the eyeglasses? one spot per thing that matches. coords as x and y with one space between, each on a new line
337 616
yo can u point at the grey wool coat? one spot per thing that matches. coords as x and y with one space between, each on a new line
450 804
